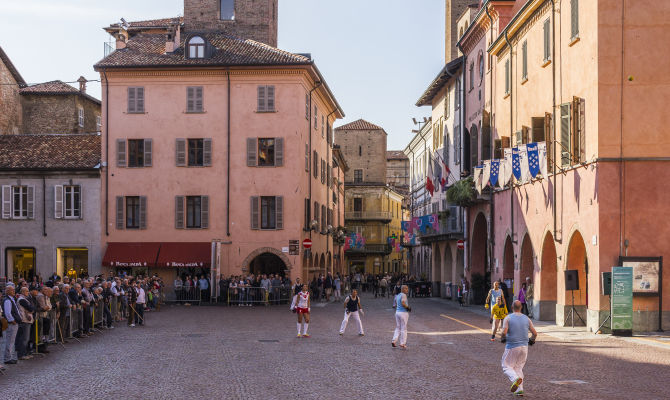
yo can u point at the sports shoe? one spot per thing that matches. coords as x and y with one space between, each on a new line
393 344
515 385
519 393
341 333
306 335
361 334
493 338
132 325
299 335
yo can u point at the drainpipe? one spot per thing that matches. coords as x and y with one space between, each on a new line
104 72
309 126
511 133
228 159
493 219
466 258
44 206
553 112
329 160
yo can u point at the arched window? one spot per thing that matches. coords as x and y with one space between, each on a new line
196 47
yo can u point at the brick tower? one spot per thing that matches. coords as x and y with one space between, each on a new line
453 10
247 19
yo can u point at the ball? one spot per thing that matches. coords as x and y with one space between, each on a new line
630 78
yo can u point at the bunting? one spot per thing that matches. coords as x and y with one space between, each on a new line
495 170
523 163
505 168
486 174
477 176
516 166
542 158
533 159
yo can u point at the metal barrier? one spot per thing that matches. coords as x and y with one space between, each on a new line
248 296
185 295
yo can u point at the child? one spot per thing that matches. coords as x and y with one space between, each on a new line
499 313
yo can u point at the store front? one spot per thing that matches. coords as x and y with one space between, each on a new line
20 263
183 259
72 262
131 258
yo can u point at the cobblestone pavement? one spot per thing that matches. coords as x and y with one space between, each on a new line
252 353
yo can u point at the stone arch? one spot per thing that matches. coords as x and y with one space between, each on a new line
436 273
478 242
577 260
526 261
448 265
547 281
271 250
508 259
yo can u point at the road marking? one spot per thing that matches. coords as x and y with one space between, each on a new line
652 340
465 323
568 382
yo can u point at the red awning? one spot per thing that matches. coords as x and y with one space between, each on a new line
141 254
184 254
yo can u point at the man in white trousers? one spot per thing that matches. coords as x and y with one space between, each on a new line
515 334
402 310
352 308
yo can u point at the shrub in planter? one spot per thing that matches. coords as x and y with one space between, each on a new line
462 193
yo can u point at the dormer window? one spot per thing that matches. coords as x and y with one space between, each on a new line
196 47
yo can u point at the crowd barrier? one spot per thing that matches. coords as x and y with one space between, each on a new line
257 295
183 295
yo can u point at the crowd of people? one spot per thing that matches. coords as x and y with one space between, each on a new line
38 313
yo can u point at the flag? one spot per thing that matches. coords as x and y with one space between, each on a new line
348 241
477 179
437 170
425 221
486 173
505 168
430 176
404 225
533 159
429 186
434 222
418 222
523 163
495 168
445 175
542 158
516 166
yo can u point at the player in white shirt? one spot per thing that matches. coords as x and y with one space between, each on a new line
301 305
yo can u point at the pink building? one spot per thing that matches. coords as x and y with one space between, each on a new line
210 137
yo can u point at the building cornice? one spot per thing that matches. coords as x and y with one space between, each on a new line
517 22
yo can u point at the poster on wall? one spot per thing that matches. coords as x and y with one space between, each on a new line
646 274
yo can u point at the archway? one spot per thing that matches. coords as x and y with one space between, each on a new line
329 263
448 270
479 276
322 264
508 260
545 297
576 260
436 275
261 260
526 264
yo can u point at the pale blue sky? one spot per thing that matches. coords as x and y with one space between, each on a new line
377 56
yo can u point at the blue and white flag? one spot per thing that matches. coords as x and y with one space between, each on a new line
516 165
542 158
533 159
495 168
523 163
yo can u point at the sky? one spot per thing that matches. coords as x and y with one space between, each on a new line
377 56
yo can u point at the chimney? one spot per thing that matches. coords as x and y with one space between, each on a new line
173 39
121 38
82 84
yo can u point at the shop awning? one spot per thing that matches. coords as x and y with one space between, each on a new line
139 254
184 254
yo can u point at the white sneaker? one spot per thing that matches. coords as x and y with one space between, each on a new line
132 325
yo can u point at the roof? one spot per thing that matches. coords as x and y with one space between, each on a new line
12 69
148 50
151 23
438 83
396 155
54 88
359 125
50 152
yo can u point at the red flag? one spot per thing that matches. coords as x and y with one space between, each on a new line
429 186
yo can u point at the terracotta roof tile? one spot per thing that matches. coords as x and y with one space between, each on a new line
53 87
57 151
395 155
148 50
152 23
361 125
12 69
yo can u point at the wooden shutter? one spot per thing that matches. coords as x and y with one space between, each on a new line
255 214
261 99
506 76
190 99
132 103
120 152
315 167
525 135
6 202
279 152
316 214
143 212
549 139
582 130
58 201
329 180
524 60
307 106
139 105
565 134
324 219
81 203
547 40
307 212
199 99
486 135
180 148
119 212
474 149
31 202
323 171
207 152
179 212
279 212
518 138
252 148
204 212
306 157
574 19
270 95
506 143
148 152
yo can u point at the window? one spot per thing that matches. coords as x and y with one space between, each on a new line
81 117
72 206
135 100
136 153
323 171
139 153
193 209
266 152
266 98
447 103
457 97
307 107
574 19
524 60
197 212
565 134
323 125
228 10
199 152
17 202
507 76
316 215
196 47
547 40
358 204
194 102
316 118
578 138
98 123
358 175
307 214
472 76
481 66
132 212
315 162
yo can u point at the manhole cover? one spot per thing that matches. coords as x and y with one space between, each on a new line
268 340
194 335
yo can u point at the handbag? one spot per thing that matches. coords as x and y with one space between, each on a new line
4 323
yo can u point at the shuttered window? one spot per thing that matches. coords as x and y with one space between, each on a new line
58 201
132 212
574 19
255 212
143 212
524 60
547 40
279 212
565 135
180 150
179 212
315 167
194 99
199 152
119 213
507 77
120 152
135 100
307 106
267 212
192 212
265 152
323 171
18 202
306 157
316 118
549 138
324 219
308 210
316 215
71 196
252 149
578 138
135 153
266 98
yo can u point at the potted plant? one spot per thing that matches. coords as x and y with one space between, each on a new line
462 193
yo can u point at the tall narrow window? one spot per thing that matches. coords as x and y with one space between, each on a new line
565 134
574 19
136 153
316 118
193 209
20 201
132 212
135 100
524 60
457 96
266 152
472 76
266 98
196 47
547 40
72 197
358 175
81 117
194 99
228 10
195 152
358 204
507 76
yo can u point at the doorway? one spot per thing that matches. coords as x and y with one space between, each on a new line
20 263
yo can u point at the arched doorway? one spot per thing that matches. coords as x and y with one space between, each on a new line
576 260
527 263
448 270
267 260
322 264
508 260
437 270
545 298
479 273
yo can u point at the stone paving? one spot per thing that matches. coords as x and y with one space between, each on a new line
252 353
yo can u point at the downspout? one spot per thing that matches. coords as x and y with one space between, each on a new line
466 228
329 161
44 205
511 133
493 189
228 158
553 116
309 126
104 72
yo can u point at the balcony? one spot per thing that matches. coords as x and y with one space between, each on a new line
383 249
450 228
384 216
